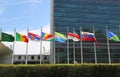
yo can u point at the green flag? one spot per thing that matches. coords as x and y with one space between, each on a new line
113 37
7 37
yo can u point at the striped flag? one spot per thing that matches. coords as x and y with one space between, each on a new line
74 36
87 36
59 37
33 37
21 37
47 37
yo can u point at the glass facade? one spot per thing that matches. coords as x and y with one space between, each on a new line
69 15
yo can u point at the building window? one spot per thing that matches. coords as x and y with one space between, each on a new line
24 57
116 60
19 57
45 57
38 57
32 57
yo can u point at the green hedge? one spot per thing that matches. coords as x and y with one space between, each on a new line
61 70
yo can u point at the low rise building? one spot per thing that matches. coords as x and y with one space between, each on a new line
31 59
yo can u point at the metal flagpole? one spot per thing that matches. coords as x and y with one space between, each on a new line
43 54
54 53
58 56
13 46
54 61
67 47
81 46
41 46
73 49
26 61
109 58
95 47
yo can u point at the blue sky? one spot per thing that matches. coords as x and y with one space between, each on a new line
21 14
24 13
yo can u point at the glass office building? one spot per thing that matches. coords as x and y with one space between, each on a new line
95 16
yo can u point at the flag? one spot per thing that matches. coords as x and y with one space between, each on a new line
74 36
7 37
112 36
87 36
47 37
60 37
33 37
21 37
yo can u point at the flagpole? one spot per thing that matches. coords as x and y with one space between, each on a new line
54 53
41 46
43 54
95 48
54 49
13 46
81 46
67 48
109 58
73 49
26 61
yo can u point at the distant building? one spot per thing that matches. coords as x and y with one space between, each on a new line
6 57
5 54
67 15
32 59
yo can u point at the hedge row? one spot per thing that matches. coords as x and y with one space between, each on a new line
77 70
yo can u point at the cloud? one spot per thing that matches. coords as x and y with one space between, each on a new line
33 47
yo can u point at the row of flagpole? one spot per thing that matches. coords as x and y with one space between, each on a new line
54 50
67 49
13 47
95 54
81 49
